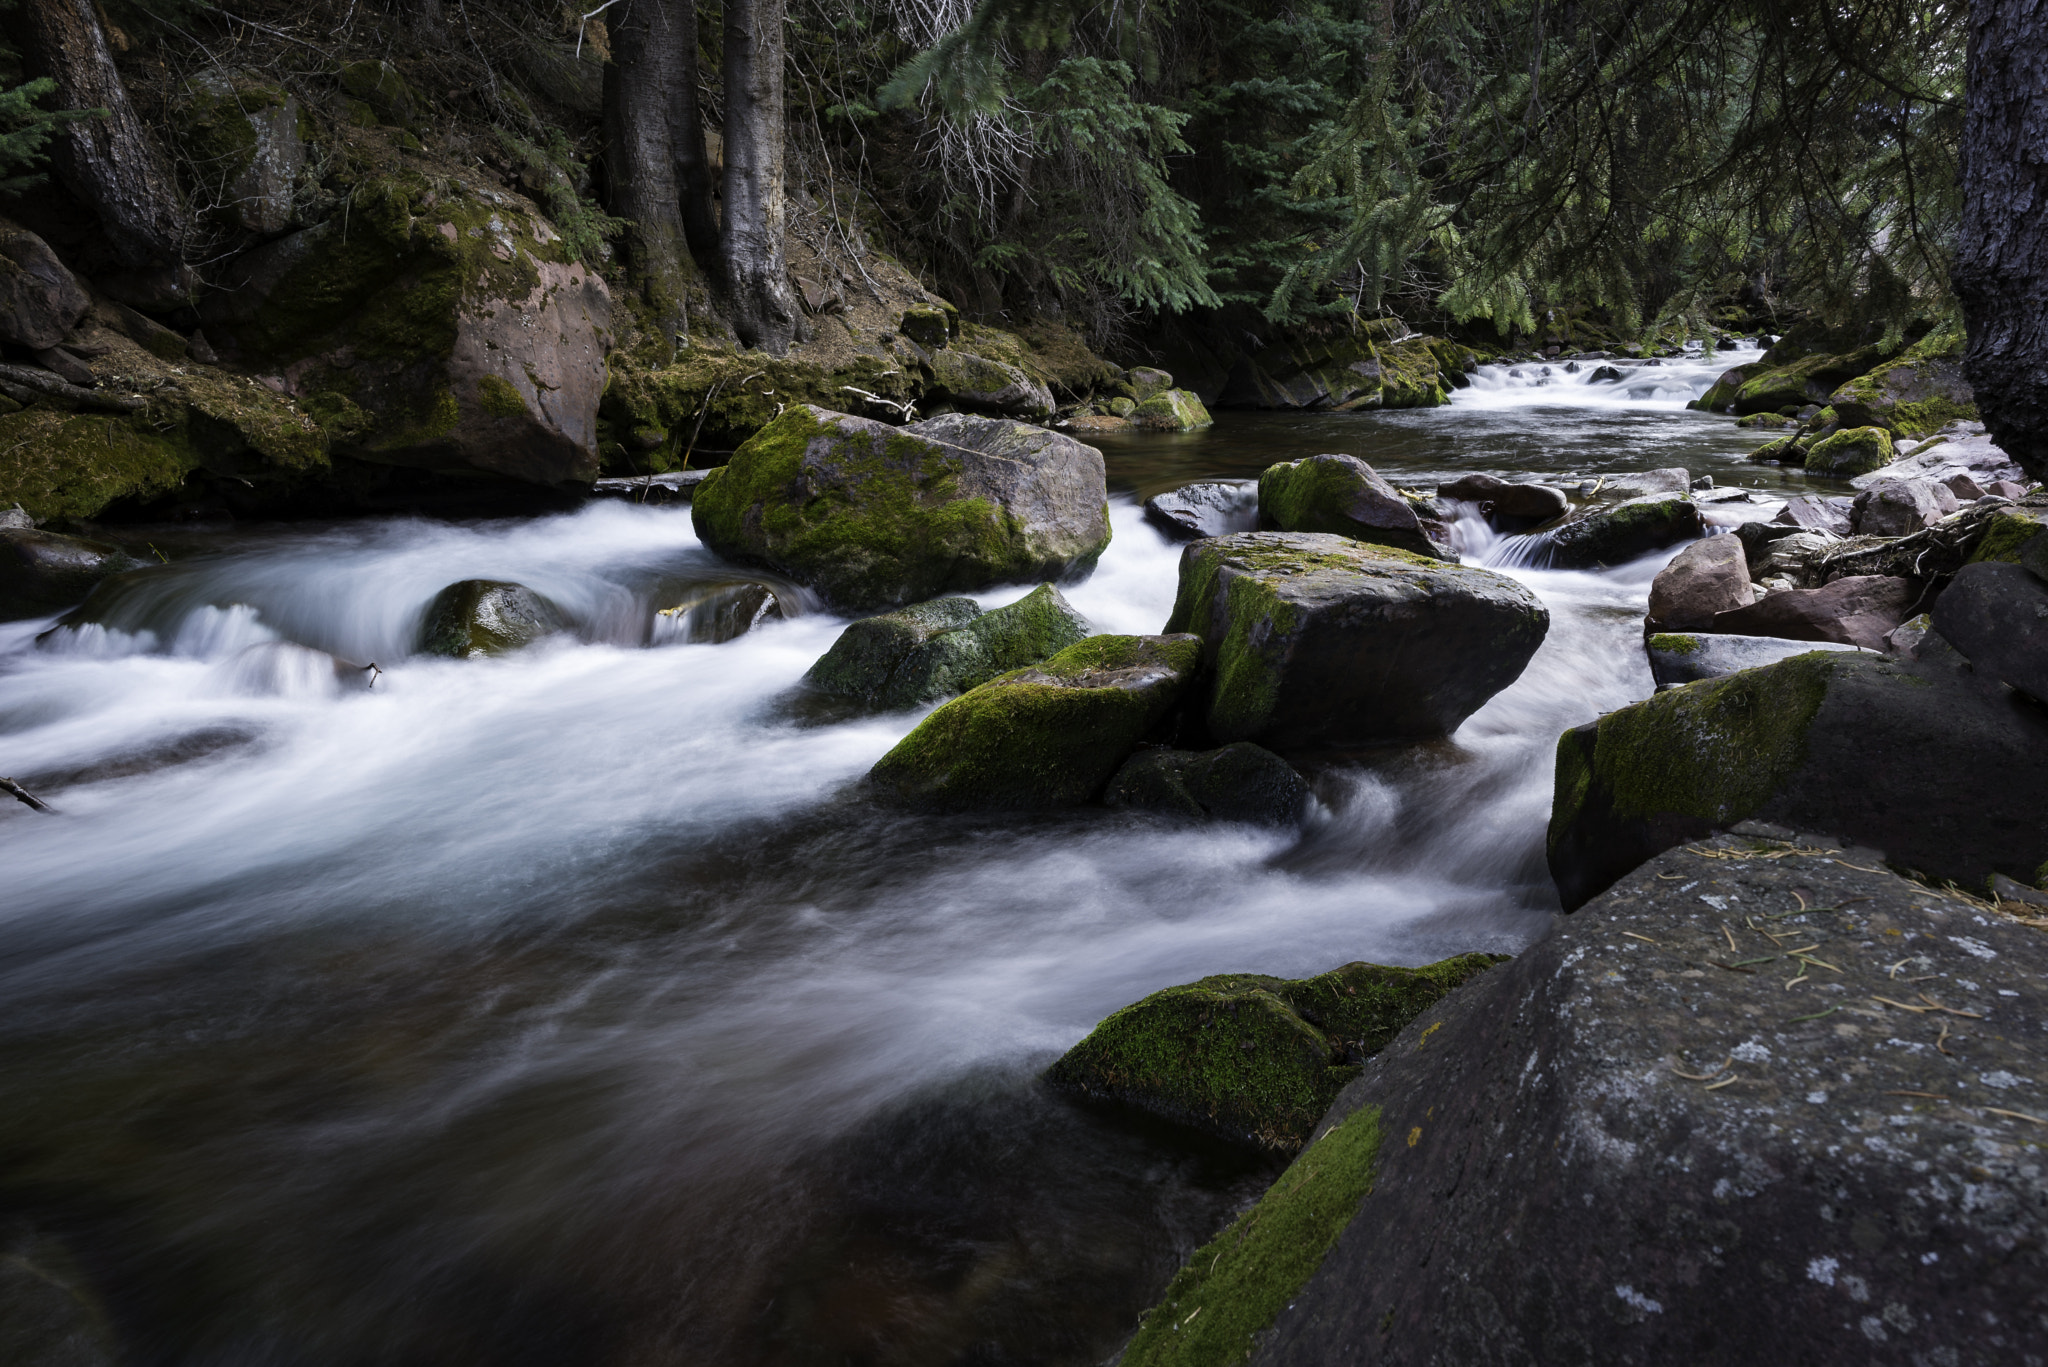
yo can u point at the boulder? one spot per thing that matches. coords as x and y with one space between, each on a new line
935 650
1997 616
1173 410
1797 558
1377 366
1671 479
985 386
1684 657
1918 392
2013 536
1623 532
929 326
1859 610
1707 577
1251 1058
1344 496
1818 513
479 617
1146 381
1508 507
1044 737
1850 452
1313 640
40 300
43 572
1960 448
241 143
1241 782
1611 1151
1721 395
1810 379
1894 753
872 516
1899 507
379 87
1211 508
716 612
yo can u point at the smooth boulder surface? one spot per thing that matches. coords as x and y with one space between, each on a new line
40 300
476 618
1858 610
1669 479
1685 657
938 649
1997 616
1044 737
1210 508
1252 1058
1961 448
43 572
1817 513
1707 577
1313 640
1853 451
1508 507
1612 1151
1241 782
716 612
1172 410
1344 496
987 386
1899 507
1944 770
873 516
1621 533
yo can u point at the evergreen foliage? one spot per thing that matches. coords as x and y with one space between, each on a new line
25 131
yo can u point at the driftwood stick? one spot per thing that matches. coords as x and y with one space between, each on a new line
29 377
23 795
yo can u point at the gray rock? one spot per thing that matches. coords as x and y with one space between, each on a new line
1961 448
1997 616
1796 557
675 486
714 613
1315 640
1624 532
1943 770
16 519
1685 657
40 300
868 652
1898 507
988 386
1550 1186
1241 782
872 516
67 367
935 650
1146 381
1818 513
2005 889
1709 576
1669 480
243 145
1344 496
1211 508
1508 507
42 572
1909 636
1860 610
479 617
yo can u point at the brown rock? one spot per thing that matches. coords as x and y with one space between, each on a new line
40 301
1816 513
1709 576
1899 507
1859 611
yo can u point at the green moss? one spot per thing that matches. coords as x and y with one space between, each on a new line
1857 451
725 398
378 85
1808 379
1174 410
1237 1285
1675 644
929 327
1728 388
498 398
58 465
2006 534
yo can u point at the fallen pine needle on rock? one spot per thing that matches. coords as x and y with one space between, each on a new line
1707 1076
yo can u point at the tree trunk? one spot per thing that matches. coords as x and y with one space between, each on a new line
686 135
2001 271
646 38
763 310
107 162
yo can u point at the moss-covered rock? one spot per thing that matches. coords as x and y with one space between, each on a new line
985 386
1172 410
1314 640
1240 782
244 148
1043 737
379 86
1810 379
1147 381
1617 534
929 326
1920 391
1846 454
1355 370
1888 752
1344 496
934 650
1766 422
872 516
714 398
1251 1058
479 617
1722 394
2014 535
42 572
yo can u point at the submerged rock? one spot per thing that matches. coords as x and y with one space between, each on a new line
1858 610
1043 737
873 516
935 650
1683 657
1624 532
1611 1151
1240 782
1945 772
1707 577
1211 508
1997 616
1344 496
1318 640
1251 1058
42 572
479 617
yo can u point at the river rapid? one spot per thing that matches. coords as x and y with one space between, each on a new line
566 1008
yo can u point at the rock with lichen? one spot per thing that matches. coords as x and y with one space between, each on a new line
481 617
1345 496
985 386
934 650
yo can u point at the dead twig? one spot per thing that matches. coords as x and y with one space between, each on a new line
23 795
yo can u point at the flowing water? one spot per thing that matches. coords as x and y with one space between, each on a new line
570 1007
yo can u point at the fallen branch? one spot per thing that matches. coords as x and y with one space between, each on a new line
23 795
44 382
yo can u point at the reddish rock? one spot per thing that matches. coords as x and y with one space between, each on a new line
1860 610
1708 577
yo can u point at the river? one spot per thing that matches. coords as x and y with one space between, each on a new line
563 1008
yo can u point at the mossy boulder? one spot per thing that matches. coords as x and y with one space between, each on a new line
480 617
929 326
1919 392
1147 382
1044 737
2013 535
935 650
873 516
1851 452
379 86
1349 371
1685 657
1789 449
1344 496
1887 752
1765 422
411 326
1810 379
1251 1058
244 147
43 572
985 386
1240 782
711 397
1617 534
1313 640
1172 410
1722 394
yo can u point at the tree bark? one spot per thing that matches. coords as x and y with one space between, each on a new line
107 162
2001 270
686 136
639 81
764 311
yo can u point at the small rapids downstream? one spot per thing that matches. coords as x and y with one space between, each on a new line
567 1008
